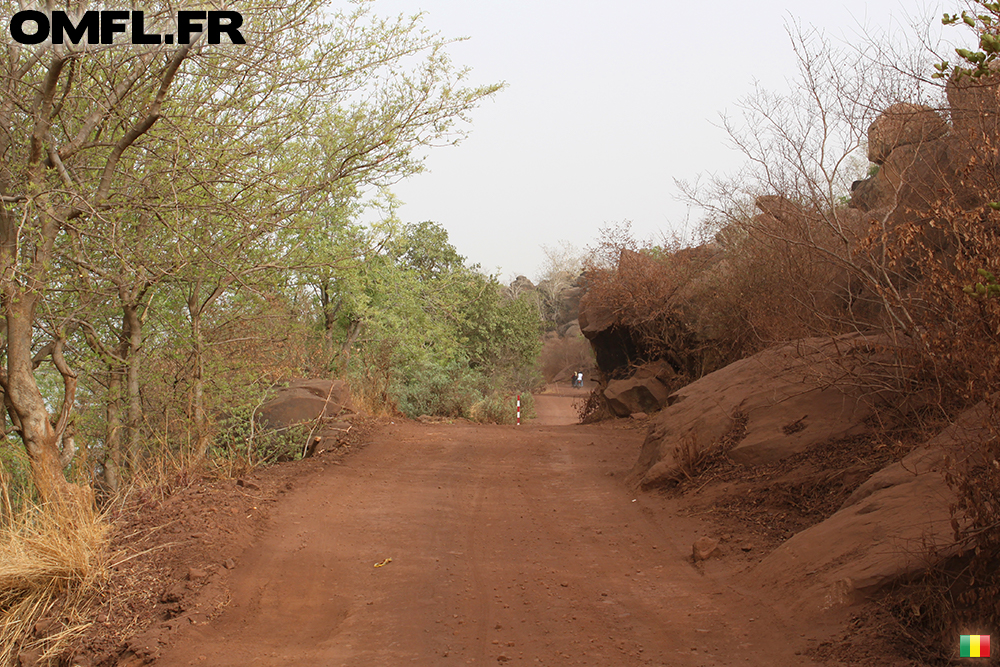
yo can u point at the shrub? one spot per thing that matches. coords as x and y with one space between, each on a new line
445 391
498 408
241 440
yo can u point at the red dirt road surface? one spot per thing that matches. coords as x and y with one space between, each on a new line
499 545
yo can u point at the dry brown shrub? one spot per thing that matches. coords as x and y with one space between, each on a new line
52 566
782 278
768 278
651 291
594 408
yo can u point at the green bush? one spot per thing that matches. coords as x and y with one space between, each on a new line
239 436
498 408
443 391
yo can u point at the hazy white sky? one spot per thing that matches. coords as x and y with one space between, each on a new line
606 104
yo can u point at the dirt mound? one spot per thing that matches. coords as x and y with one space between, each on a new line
793 396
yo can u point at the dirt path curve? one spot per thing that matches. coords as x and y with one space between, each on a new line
509 545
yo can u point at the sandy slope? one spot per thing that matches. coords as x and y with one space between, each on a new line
509 545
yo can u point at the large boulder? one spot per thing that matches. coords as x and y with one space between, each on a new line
903 124
304 401
925 165
614 348
792 396
645 392
893 526
917 179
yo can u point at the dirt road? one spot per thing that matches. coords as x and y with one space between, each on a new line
508 545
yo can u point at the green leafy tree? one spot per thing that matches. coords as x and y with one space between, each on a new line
417 329
207 152
977 62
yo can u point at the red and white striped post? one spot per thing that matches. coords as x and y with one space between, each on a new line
518 409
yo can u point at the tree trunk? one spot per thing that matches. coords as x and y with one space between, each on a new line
353 331
112 431
133 417
198 387
40 439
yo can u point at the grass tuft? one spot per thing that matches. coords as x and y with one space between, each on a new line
52 566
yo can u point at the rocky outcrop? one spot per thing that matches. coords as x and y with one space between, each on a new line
564 350
903 124
925 163
916 178
520 285
568 305
894 525
684 338
559 299
791 397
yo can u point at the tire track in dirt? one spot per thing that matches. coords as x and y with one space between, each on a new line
509 546
478 589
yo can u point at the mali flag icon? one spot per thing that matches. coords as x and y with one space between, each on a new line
974 646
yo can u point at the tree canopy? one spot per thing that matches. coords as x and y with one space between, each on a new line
157 201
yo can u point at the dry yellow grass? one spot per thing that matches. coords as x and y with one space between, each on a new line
52 565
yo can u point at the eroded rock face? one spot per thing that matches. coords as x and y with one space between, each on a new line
903 124
786 396
304 401
882 532
975 106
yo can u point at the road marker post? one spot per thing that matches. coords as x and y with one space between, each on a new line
518 409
